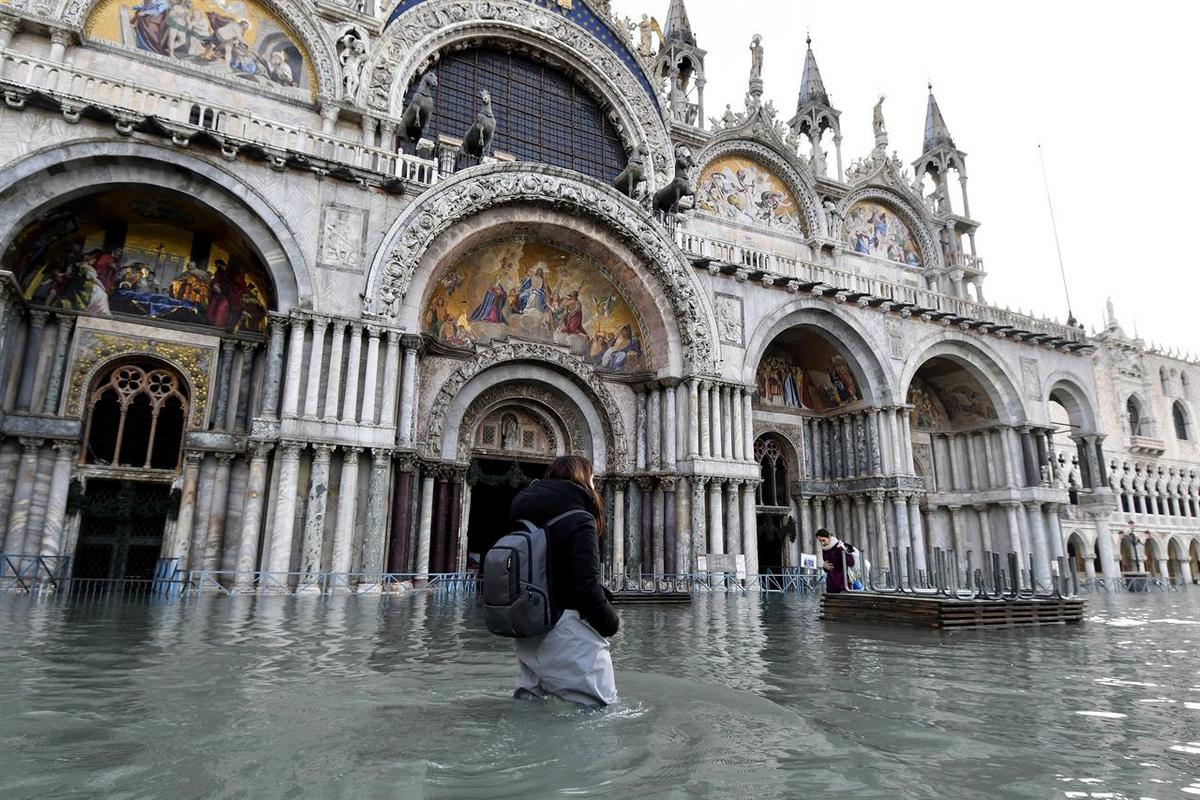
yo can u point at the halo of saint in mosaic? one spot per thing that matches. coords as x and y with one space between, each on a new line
233 38
937 405
740 189
144 254
804 371
875 230
530 290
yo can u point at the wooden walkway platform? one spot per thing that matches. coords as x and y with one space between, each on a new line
945 613
649 598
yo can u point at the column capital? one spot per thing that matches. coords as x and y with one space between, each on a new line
373 330
277 323
322 451
61 36
750 484
619 483
228 345
225 458
66 450
290 449
350 455
406 460
319 322
9 24
67 321
981 508
30 444
248 345
668 482
645 482
859 500
193 458
670 382
413 341
877 496
394 336
258 450
380 456
38 318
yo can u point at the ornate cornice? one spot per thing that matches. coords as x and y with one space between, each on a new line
477 189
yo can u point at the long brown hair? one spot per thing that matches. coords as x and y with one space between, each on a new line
578 470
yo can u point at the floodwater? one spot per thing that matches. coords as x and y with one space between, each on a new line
408 697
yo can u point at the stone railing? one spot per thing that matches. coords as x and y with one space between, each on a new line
132 105
781 269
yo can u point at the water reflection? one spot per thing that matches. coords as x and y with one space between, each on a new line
408 697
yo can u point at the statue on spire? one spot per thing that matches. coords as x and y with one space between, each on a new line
756 58
881 137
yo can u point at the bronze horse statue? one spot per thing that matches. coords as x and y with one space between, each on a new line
667 198
420 108
634 173
479 135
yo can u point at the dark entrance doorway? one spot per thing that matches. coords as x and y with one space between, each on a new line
775 531
494 484
120 532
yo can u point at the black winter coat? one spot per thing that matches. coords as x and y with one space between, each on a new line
574 550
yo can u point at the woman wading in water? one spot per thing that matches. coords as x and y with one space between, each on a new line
572 661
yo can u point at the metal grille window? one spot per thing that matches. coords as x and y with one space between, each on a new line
541 114
772 491
136 418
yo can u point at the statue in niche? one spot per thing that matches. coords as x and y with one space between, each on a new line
509 430
420 109
353 57
667 199
677 98
634 173
478 139
756 58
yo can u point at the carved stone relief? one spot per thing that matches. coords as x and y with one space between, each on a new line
730 320
343 236
538 401
1029 374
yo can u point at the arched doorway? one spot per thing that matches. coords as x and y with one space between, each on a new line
135 421
512 446
777 528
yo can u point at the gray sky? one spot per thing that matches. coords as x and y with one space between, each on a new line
1106 88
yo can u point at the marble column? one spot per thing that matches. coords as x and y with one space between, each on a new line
391 379
1028 459
705 404
828 466
1054 534
1015 545
441 496
375 530
836 426
901 517
220 409
699 521
353 365
65 455
22 499
750 528
1109 567
1010 447
370 377
807 531
425 524
671 425
882 545
454 529
658 541
737 423
277 558
1037 535
66 324
29 366
333 387
876 457
694 418
985 532
408 389
217 508
645 532
241 378
295 355
716 528
342 558
733 522
641 447
8 27
958 536
715 416
886 454
252 512
905 423
728 420
314 512
274 373
683 526
653 428
992 469
402 504
618 530
668 484
748 421
864 537
180 543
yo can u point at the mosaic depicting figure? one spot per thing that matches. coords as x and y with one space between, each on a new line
875 230
234 38
114 254
936 404
529 290
820 380
739 189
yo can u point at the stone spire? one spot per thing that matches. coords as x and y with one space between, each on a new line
678 28
936 133
815 114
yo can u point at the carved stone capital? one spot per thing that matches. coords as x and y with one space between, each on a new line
350 456
290 450
66 450
322 451
668 482
406 461
258 450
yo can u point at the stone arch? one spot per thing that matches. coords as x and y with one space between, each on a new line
1067 390
783 165
193 364
415 37
411 244
137 409
315 38
1136 415
980 362
913 215
566 427
791 460
83 167
840 329
1181 421
542 365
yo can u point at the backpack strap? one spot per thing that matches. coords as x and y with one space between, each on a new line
566 514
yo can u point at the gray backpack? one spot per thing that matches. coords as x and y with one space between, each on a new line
516 582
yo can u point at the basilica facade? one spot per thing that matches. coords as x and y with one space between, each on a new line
301 293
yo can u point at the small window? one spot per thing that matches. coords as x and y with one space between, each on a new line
1134 411
136 418
1181 421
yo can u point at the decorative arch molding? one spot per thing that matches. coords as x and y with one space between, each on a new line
414 38
784 166
321 48
481 188
980 361
28 187
527 363
903 204
559 417
1079 405
875 377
